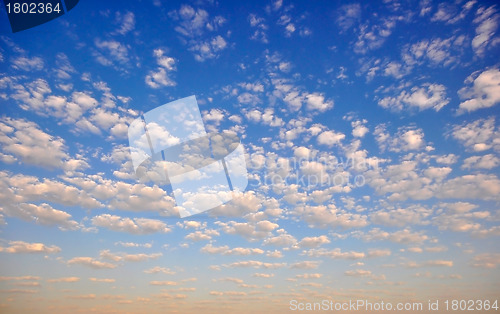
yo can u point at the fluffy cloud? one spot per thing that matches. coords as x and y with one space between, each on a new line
487 24
312 242
488 161
27 64
25 247
161 77
406 139
90 262
484 92
429 96
486 260
330 138
33 146
330 216
132 226
64 279
479 135
194 24
225 250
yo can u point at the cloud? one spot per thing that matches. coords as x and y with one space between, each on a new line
335 254
126 21
487 20
330 216
255 264
163 283
486 260
128 225
240 204
305 265
330 138
282 240
103 280
429 96
43 214
432 263
406 139
158 269
484 92
313 242
111 49
117 257
25 140
359 128
474 186
204 235
348 16
27 64
479 135
488 161
161 77
9 278
91 262
225 250
358 273
405 236
194 24
25 247
400 216
372 36
64 279
260 32
262 275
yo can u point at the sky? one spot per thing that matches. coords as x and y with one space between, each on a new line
371 139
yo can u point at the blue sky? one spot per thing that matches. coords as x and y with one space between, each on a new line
372 146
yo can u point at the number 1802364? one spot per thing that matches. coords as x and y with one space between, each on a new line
32 8
471 305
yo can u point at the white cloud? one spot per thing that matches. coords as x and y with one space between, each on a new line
484 93
359 128
25 247
25 140
305 265
158 269
132 226
161 77
255 264
348 16
90 262
405 236
487 20
335 254
116 257
64 279
406 139
194 25
488 161
330 216
28 64
316 101
260 27
429 96
486 260
225 250
312 242
113 49
282 240
126 21
479 135
330 138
